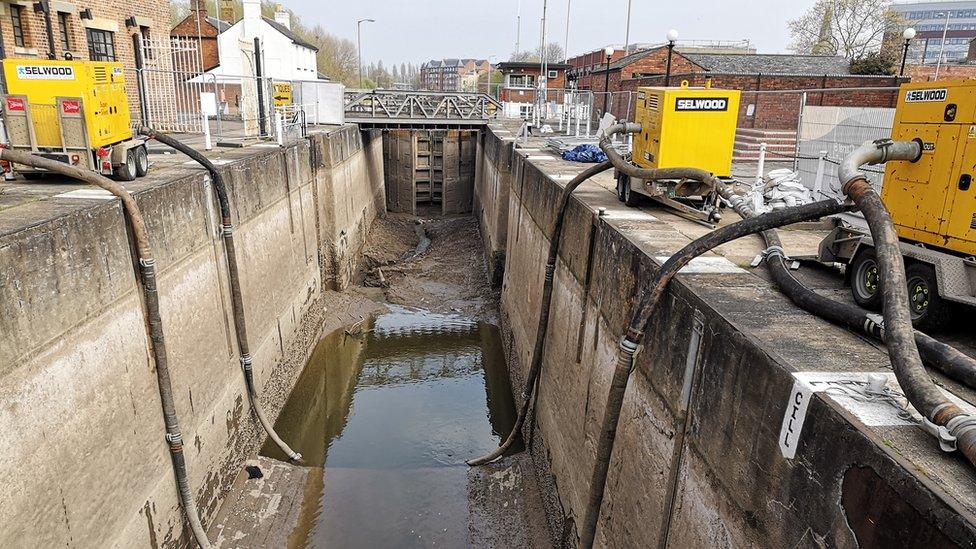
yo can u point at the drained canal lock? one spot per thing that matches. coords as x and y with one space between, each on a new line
385 413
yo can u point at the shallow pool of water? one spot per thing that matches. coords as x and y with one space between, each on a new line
390 415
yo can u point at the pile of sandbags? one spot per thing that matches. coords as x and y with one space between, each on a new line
781 189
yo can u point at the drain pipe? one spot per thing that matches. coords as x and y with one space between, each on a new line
952 426
233 276
649 302
531 379
154 322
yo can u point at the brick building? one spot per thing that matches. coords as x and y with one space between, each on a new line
200 25
100 31
520 79
453 75
583 65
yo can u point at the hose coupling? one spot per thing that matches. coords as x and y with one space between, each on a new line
246 362
550 271
295 456
874 325
774 251
175 441
147 263
227 230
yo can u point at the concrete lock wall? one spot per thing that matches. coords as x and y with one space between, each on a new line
493 178
732 486
86 463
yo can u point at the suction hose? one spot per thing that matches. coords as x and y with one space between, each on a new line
953 425
154 322
650 299
233 276
535 367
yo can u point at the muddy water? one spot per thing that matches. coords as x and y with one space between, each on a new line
390 415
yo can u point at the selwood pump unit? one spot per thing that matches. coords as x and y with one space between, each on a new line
932 204
75 112
683 127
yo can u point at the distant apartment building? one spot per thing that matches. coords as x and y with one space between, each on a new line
453 75
97 31
929 19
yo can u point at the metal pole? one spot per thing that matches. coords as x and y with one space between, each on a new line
259 77
518 29
569 4
606 85
140 84
761 166
359 51
945 30
904 57
667 70
627 34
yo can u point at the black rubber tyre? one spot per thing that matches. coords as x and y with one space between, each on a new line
865 280
930 313
631 198
127 170
142 161
621 181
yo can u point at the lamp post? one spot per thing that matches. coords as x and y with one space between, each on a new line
359 46
945 30
907 35
606 81
672 38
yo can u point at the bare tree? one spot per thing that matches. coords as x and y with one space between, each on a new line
852 28
554 53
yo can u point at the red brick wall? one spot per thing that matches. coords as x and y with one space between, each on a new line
205 31
926 73
778 111
528 96
35 34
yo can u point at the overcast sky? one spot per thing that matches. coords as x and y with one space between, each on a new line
417 30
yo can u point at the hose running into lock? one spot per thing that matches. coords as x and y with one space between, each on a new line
649 302
147 276
233 277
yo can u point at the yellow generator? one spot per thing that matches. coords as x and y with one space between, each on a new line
73 111
686 127
682 127
932 204
933 201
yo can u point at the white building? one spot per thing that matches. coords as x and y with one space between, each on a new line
284 54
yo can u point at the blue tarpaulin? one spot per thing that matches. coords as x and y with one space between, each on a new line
585 153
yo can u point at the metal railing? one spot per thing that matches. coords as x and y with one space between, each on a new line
419 106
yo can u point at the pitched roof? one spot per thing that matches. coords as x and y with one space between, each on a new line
628 59
289 33
771 63
218 24
504 65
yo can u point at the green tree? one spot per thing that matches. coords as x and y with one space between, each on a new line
852 28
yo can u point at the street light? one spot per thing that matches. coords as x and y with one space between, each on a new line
359 46
907 35
672 38
945 30
606 82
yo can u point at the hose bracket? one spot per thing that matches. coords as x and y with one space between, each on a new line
773 251
947 442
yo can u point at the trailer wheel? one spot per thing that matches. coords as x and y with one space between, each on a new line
127 170
631 198
865 280
621 182
930 313
142 161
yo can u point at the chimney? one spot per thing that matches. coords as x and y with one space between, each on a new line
226 11
199 6
252 10
282 16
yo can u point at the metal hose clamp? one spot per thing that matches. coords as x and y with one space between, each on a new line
550 271
227 230
147 263
175 440
246 362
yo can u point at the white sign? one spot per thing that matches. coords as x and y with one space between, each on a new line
45 72
926 96
208 103
874 398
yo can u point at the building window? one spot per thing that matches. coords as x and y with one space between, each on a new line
64 31
521 80
553 74
16 19
101 45
147 49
